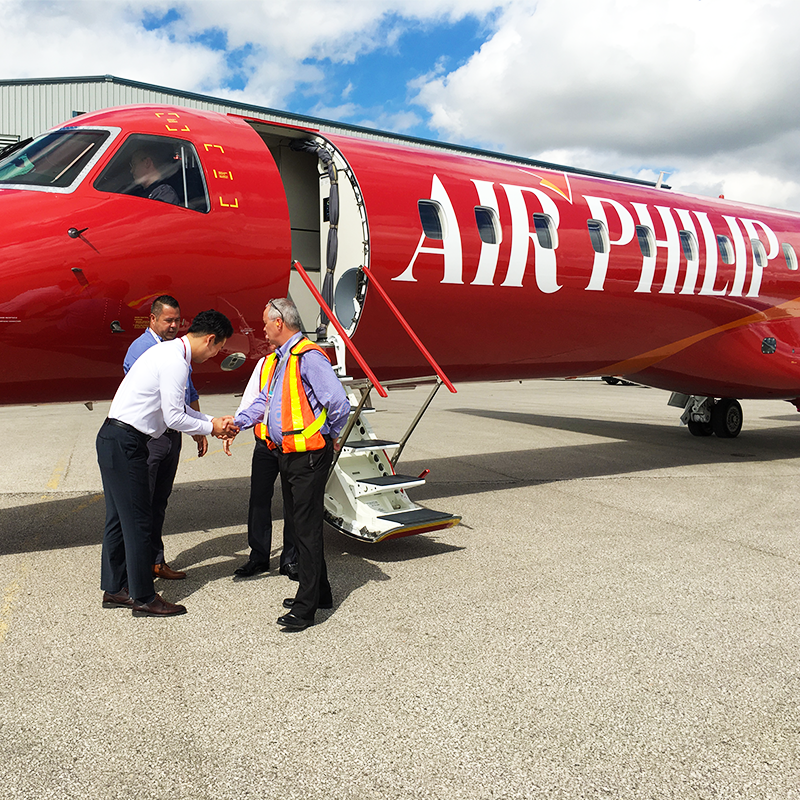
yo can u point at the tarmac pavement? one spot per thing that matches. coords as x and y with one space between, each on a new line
616 617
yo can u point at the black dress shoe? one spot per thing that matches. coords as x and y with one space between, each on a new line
157 607
290 571
289 602
119 600
293 623
252 568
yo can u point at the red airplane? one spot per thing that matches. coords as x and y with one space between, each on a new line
504 268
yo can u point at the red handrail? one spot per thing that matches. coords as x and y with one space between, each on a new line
347 341
401 319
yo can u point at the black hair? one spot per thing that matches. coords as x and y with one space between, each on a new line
160 302
211 322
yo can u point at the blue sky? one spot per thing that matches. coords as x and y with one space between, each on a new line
379 82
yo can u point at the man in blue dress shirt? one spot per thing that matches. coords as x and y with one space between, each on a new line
164 451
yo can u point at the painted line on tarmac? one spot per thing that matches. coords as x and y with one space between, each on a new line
59 471
9 600
13 589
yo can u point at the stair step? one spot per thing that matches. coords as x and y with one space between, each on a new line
418 516
371 444
386 483
416 521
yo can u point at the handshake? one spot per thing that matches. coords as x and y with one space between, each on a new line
223 428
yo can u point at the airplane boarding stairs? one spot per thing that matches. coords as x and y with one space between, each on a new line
365 498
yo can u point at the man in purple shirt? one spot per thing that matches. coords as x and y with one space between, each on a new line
304 456
164 451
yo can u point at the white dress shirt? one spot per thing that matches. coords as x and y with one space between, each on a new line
152 396
253 388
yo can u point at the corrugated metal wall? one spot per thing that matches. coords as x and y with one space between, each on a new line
29 108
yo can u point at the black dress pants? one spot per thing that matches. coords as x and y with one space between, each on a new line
164 453
127 555
303 480
263 474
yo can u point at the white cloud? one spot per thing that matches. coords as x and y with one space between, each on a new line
43 38
705 88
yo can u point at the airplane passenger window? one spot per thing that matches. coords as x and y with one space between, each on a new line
53 160
759 253
647 240
689 245
488 225
725 250
789 255
157 168
598 235
431 216
545 231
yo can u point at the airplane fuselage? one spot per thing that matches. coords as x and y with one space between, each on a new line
505 270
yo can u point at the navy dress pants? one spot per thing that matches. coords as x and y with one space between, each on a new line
127 555
164 453
303 480
263 474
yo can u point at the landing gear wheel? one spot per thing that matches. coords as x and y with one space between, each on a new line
700 428
611 380
726 418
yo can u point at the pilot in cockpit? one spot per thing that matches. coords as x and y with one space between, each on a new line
150 170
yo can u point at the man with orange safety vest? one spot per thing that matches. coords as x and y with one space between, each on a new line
264 471
305 408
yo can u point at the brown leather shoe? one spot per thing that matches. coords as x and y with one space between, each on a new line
119 600
157 607
166 572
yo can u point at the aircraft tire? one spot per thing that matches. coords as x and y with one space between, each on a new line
700 428
610 380
726 418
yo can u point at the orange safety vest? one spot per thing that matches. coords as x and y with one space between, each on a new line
304 433
267 369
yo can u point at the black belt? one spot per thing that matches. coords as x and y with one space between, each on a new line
171 430
120 424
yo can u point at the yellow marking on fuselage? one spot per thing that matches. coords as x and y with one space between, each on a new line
788 310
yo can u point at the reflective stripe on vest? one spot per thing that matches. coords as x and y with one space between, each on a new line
296 411
267 371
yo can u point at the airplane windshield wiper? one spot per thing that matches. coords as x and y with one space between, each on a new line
14 146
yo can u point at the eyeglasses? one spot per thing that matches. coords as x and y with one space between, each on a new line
280 313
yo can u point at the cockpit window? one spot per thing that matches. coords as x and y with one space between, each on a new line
157 168
54 160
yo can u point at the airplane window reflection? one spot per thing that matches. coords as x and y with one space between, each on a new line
789 255
431 216
725 249
488 224
55 159
157 168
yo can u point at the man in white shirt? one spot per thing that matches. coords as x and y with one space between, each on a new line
150 399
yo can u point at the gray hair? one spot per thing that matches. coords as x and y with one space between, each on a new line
284 308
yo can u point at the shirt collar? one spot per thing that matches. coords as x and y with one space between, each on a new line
187 349
287 346
154 334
